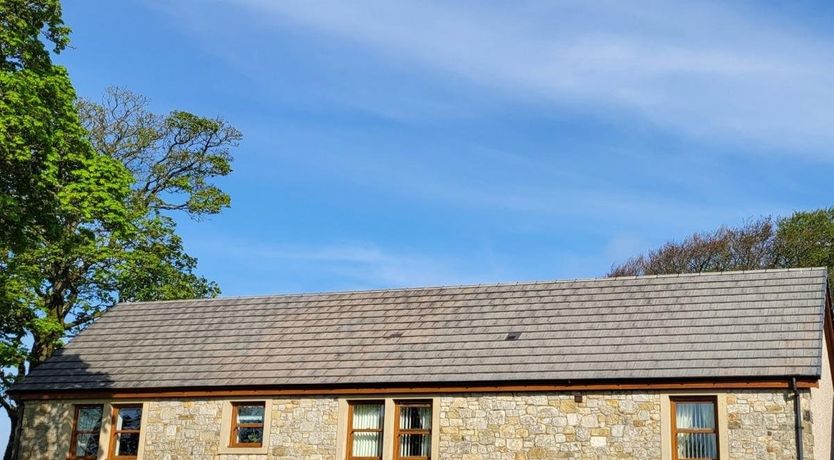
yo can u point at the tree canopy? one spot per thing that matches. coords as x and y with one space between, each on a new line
804 239
49 172
89 192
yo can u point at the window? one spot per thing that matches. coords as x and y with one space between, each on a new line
85 431
413 430
694 428
394 429
247 428
125 431
365 429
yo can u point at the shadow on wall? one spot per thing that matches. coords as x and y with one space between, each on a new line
47 425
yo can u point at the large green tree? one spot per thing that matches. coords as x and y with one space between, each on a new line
47 166
52 181
88 194
806 239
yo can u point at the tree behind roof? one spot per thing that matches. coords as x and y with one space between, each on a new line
804 239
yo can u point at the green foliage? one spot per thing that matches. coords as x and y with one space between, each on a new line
49 172
22 24
115 240
53 185
805 239
172 157
87 192
155 266
42 145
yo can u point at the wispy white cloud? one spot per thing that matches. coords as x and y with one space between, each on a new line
715 71
352 265
541 190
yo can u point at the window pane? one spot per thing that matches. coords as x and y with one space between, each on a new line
415 418
127 444
89 419
250 435
367 444
415 445
367 416
695 415
86 445
250 414
130 418
697 445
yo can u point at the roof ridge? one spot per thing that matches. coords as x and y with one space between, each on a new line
475 285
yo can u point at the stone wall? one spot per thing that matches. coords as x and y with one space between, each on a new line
304 429
761 425
182 429
46 430
520 426
190 429
526 427
299 429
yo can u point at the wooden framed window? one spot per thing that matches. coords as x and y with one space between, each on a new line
247 428
365 426
412 435
86 427
125 431
694 428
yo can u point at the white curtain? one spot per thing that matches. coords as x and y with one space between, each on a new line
415 418
367 417
415 445
696 416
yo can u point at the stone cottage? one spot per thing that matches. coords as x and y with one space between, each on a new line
727 365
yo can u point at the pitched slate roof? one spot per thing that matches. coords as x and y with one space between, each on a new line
734 324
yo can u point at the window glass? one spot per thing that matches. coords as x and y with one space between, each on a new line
127 425
86 445
89 418
86 432
247 435
366 430
248 424
127 444
129 418
414 430
696 436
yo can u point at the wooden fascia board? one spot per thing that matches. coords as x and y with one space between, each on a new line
179 393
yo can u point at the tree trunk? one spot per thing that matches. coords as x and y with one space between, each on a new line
14 433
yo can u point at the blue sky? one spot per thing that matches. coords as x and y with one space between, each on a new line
400 144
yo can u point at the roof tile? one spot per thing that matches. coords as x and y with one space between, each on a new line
734 324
